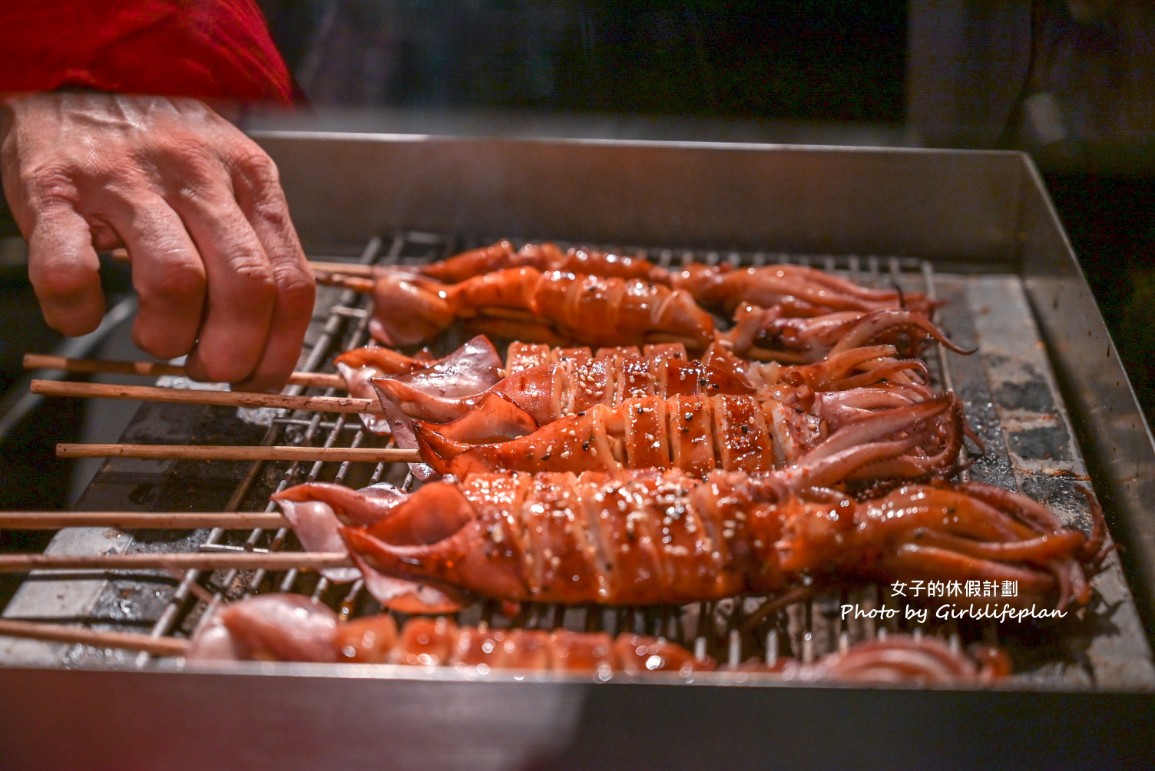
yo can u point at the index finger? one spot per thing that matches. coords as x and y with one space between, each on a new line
65 271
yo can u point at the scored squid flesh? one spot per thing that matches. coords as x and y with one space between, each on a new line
697 434
646 538
319 511
544 306
572 382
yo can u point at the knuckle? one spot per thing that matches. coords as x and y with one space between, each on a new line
255 276
195 172
187 149
257 169
259 182
298 292
272 212
189 194
49 184
189 168
179 280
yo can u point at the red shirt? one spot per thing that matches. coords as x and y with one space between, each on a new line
208 49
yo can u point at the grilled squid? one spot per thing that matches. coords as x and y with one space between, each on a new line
697 434
318 512
542 293
528 304
797 289
287 627
575 380
646 538
548 391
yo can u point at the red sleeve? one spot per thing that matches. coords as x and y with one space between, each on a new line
209 49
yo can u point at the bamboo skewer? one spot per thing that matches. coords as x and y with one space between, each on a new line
360 284
53 520
156 369
343 268
228 452
342 404
34 630
143 368
347 268
243 560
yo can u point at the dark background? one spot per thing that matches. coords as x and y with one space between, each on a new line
802 60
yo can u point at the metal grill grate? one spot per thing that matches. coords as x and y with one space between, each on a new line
1010 400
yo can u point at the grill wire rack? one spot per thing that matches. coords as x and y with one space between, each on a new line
1011 404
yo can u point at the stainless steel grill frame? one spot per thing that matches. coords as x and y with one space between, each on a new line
967 217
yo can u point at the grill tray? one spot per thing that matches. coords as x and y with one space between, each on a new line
1010 399
1012 388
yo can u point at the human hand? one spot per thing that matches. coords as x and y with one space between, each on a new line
216 262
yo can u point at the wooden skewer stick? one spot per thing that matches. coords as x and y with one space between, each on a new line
53 520
276 561
143 368
34 630
362 284
156 369
343 268
227 452
344 404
